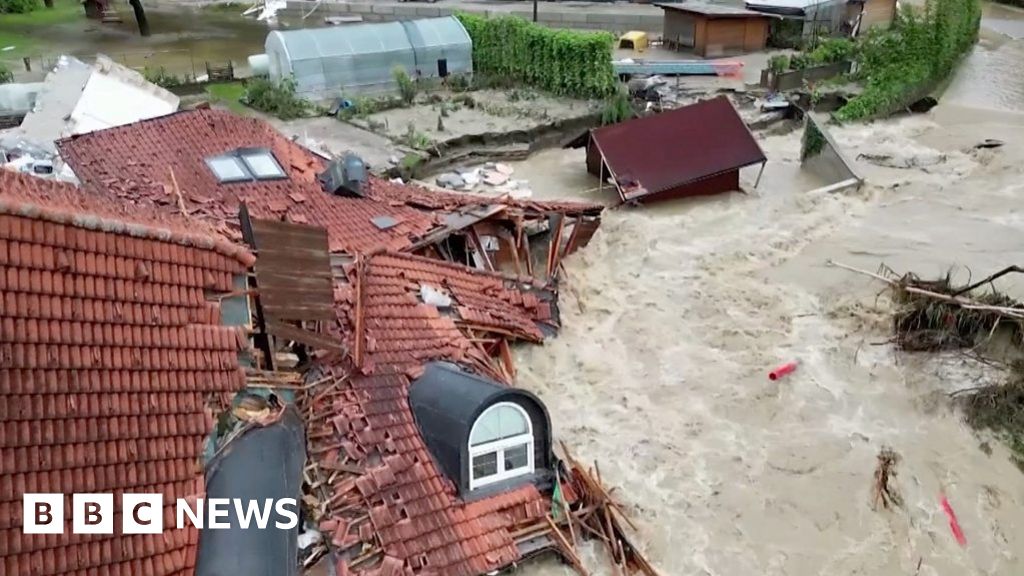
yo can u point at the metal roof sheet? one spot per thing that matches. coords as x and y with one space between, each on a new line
677 147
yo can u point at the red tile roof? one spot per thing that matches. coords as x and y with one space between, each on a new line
680 146
134 163
109 351
404 505
400 331
420 196
417 519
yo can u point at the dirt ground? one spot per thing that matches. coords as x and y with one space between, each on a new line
493 111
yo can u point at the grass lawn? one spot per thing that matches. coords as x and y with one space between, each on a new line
24 31
228 94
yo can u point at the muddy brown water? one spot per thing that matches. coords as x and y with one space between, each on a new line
675 313
182 41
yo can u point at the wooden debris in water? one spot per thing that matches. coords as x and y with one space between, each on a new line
885 492
936 315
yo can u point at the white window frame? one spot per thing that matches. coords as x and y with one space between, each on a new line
499 447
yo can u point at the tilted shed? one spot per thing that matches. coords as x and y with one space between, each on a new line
360 58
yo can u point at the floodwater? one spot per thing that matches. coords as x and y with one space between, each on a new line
674 314
993 75
182 41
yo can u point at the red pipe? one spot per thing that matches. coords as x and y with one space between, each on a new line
954 525
783 370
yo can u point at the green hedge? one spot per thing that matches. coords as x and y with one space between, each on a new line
902 64
563 62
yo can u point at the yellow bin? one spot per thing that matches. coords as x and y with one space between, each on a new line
635 40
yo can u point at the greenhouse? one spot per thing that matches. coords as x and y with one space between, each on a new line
360 59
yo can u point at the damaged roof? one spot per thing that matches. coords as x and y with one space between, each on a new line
109 350
400 505
160 165
677 147
395 329
147 164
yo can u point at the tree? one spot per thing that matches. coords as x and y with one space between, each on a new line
140 16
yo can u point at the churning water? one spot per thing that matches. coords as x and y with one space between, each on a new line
674 314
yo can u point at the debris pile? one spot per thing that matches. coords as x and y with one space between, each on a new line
491 178
938 315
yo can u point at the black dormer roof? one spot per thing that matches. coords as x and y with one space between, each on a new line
447 399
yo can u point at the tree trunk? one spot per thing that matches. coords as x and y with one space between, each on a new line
140 16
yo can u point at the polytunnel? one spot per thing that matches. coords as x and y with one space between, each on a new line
360 58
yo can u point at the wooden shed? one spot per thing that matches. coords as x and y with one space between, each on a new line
872 13
713 29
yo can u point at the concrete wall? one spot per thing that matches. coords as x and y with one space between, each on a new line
554 16
794 79
822 156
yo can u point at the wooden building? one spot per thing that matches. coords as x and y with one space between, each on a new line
712 30
872 13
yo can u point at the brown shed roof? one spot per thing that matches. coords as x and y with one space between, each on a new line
677 147
712 10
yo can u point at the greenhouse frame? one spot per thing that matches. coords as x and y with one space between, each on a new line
360 58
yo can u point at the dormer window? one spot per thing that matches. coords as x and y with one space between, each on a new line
246 165
484 436
500 445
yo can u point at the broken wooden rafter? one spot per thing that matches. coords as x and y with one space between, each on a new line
566 548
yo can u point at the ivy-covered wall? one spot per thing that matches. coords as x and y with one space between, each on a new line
903 64
563 62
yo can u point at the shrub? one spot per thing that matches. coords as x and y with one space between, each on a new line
406 85
617 108
564 62
161 77
900 65
779 63
828 52
18 6
6 76
459 82
277 99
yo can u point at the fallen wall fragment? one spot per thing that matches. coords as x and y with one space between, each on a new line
822 157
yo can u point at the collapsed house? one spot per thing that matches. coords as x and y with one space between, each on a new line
693 150
388 312
77 98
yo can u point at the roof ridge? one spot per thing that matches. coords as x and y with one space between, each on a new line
118 225
457 266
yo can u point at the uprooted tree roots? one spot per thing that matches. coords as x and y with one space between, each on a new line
885 492
935 315
924 322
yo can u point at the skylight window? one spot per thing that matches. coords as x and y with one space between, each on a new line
246 164
228 169
263 165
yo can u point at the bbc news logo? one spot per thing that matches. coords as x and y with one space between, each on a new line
144 513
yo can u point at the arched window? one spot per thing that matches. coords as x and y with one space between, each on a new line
500 445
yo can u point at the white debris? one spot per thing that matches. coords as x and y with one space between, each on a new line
308 538
504 169
450 180
434 296
521 193
470 177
